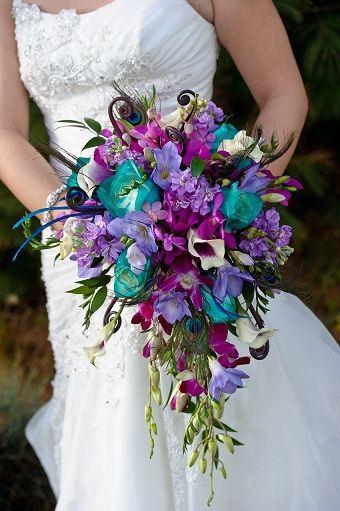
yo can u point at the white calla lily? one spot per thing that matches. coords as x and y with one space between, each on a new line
252 335
91 175
173 119
210 252
66 241
240 142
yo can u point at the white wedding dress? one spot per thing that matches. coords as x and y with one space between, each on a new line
91 437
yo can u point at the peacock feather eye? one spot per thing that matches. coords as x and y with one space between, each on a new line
135 118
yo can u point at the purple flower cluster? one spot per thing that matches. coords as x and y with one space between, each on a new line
208 118
95 246
191 191
267 245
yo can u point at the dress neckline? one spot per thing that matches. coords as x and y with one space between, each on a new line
74 11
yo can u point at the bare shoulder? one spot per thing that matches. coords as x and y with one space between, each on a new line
204 7
12 92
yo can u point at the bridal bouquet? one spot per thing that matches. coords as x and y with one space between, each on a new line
176 216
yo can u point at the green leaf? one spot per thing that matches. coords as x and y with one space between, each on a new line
94 125
236 442
82 290
248 292
223 426
169 395
98 299
100 281
232 329
197 166
94 142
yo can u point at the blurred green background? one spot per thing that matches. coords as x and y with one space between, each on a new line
26 366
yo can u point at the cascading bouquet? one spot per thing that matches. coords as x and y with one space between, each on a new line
173 215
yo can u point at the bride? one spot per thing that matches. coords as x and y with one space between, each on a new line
91 437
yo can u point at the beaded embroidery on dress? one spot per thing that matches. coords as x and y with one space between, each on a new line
91 437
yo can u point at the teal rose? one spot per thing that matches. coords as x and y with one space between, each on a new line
228 132
127 190
239 208
126 283
225 131
73 178
218 311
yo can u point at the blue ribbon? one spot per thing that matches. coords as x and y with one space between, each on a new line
40 229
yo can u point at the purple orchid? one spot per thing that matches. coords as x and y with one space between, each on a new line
185 277
230 281
172 306
148 135
224 380
167 161
155 211
199 143
191 387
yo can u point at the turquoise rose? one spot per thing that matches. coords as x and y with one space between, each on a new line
218 311
239 208
127 190
225 131
126 283
228 132
73 178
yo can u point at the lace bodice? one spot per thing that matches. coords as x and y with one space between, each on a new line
68 60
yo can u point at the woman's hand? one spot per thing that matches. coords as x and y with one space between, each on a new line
254 35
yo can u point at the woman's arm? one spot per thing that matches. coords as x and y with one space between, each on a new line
254 35
22 169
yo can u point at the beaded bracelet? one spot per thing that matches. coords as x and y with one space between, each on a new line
51 200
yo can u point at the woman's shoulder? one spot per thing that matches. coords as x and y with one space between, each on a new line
204 7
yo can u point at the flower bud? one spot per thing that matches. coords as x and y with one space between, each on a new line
156 394
215 404
126 137
154 428
151 113
203 465
223 472
212 448
155 344
181 401
227 440
193 458
197 423
147 412
148 154
154 375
